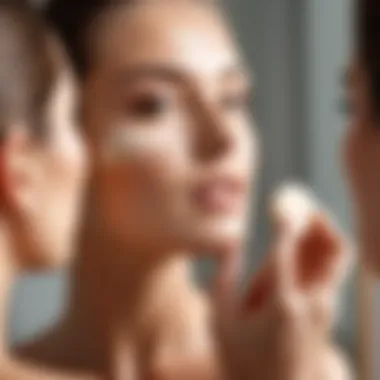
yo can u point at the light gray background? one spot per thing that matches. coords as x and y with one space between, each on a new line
298 49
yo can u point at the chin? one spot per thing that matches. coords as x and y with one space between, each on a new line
48 256
44 263
220 236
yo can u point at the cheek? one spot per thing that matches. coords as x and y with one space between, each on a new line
145 152
160 176
143 168
140 195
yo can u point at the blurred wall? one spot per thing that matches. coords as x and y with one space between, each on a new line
296 49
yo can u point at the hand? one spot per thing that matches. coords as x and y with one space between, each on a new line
281 329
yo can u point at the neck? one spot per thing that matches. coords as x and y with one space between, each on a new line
117 289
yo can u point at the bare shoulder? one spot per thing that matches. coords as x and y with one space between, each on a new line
200 367
17 370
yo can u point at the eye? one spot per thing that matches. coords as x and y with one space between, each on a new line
149 106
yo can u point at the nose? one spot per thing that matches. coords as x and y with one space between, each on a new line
214 138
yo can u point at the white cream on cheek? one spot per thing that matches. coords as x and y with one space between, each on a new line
125 143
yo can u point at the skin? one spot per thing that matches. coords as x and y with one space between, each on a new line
361 154
41 188
289 309
55 172
163 73
164 114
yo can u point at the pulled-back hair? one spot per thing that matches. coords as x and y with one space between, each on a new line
74 19
29 66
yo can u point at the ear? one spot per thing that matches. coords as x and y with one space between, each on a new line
16 169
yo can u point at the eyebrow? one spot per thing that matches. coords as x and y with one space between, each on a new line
173 74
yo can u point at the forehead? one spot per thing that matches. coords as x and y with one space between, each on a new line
191 36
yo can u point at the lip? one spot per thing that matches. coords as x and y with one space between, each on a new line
221 194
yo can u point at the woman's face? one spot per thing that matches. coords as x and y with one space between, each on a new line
48 186
166 107
362 159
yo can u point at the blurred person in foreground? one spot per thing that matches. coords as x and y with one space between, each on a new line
165 95
42 163
362 145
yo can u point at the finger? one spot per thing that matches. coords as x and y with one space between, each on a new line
322 255
323 310
342 259
260 291
283 255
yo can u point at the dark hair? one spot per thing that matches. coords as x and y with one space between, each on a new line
28 66
73 19
368 42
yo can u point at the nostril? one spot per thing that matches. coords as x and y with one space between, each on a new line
215 144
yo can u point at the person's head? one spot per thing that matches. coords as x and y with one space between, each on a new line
166 110
42 161
362 147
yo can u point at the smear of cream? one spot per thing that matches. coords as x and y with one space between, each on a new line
131 143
